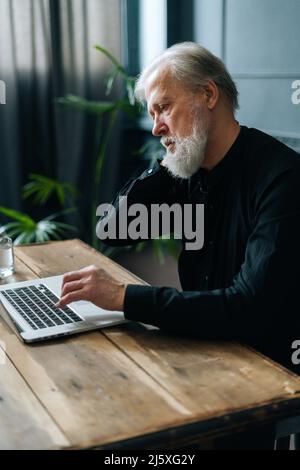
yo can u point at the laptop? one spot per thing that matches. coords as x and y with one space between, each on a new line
29 308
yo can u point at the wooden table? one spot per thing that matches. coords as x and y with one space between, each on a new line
128 386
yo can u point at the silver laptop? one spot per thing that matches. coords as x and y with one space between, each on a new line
29 308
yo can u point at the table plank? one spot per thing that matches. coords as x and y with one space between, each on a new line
25 424
226 376
22 273
49 259
92 389
162 352
203 380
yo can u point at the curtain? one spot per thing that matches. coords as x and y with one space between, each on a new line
46 51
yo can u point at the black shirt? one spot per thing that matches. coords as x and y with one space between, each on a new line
244 283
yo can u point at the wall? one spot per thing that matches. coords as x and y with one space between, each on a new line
259 40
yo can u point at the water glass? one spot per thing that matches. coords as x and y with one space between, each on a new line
6 257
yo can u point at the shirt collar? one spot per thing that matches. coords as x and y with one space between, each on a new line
210 178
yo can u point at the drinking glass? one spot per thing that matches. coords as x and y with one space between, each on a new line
6 257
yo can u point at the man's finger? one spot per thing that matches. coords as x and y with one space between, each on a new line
71 297
71 276
70 287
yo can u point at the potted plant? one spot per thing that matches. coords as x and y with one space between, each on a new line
110 109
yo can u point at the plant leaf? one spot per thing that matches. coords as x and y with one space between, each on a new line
112 75
140 246
26 230
61 195
111 58
25 237
81 104
60 213
23 218
42 187
125 106
130 85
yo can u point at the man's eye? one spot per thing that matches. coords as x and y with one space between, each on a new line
163 107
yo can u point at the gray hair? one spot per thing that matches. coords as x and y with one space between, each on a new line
193 66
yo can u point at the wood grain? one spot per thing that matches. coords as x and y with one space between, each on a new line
128 382
24 423
60 257
92 389
226 376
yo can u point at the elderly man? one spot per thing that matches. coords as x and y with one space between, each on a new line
243 283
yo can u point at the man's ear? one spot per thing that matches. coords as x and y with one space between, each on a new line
211 94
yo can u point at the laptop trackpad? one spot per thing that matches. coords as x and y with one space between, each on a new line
94 314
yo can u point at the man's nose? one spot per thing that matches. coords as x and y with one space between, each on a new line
159 128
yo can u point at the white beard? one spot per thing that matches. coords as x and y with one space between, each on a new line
189 152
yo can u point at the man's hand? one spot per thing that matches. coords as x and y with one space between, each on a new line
93 284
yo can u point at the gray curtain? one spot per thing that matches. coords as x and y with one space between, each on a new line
46 51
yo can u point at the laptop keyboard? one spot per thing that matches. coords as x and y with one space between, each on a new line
36 304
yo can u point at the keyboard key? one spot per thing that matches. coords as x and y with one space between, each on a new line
36 304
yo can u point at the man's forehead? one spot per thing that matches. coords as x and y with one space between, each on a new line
156 80
160 85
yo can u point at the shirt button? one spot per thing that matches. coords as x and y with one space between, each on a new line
210 242
211 207
206 278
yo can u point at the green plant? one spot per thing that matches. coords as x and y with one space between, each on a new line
110 110
23 228
42 188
